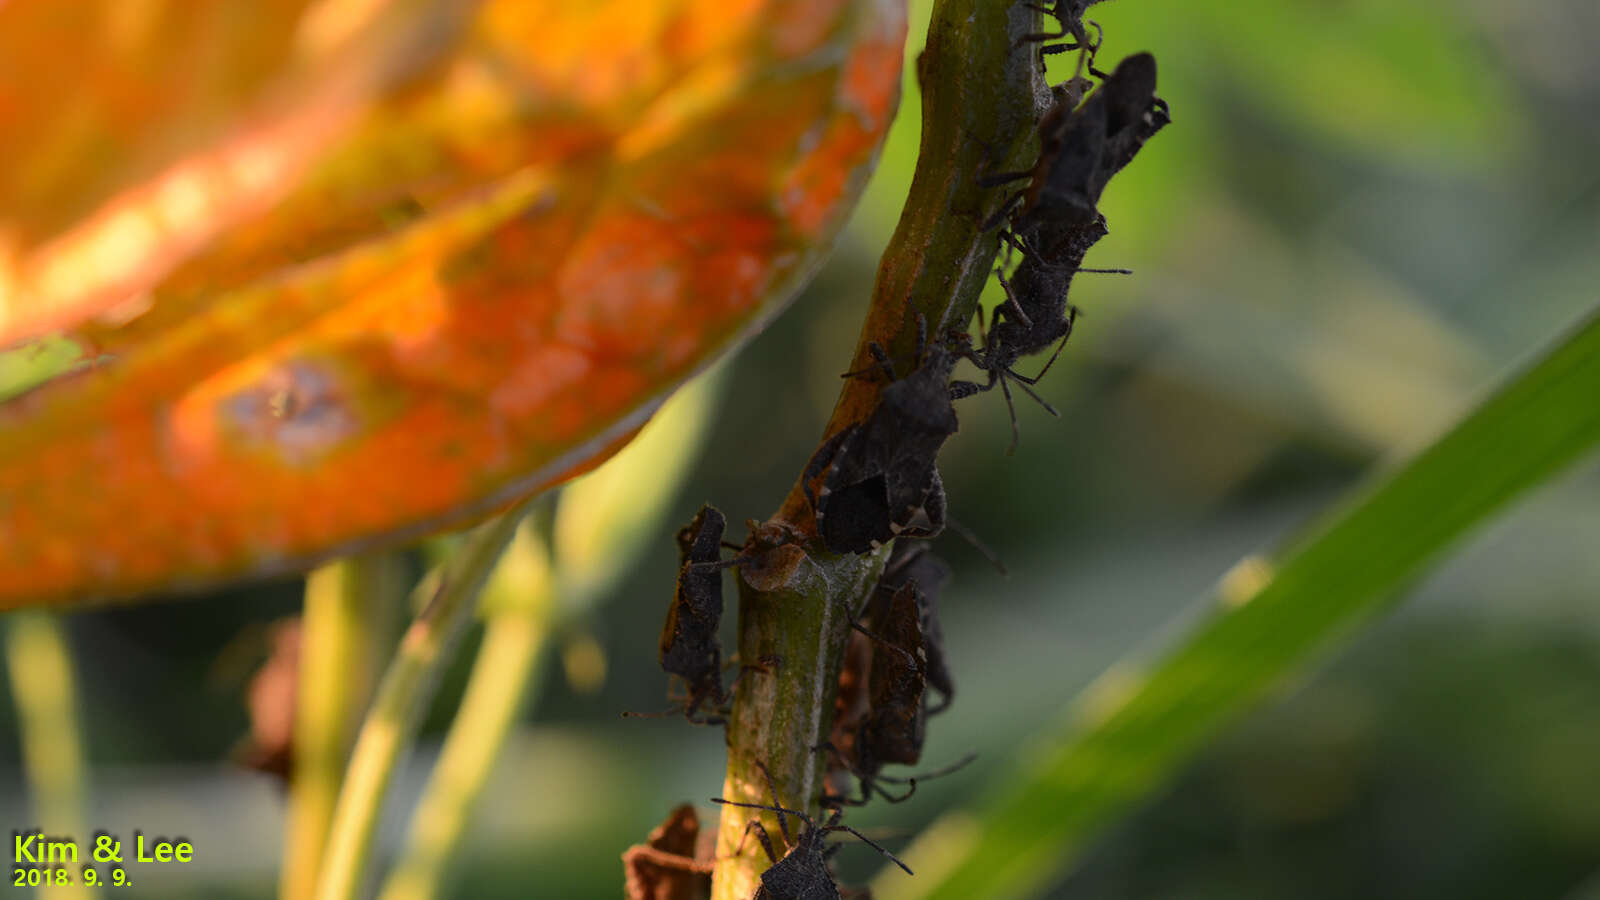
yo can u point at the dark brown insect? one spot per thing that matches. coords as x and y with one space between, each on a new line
802 872
1081 147
878 478
674 864
690 646
850 705
914 562
889 725
1054 221
892 726
896 724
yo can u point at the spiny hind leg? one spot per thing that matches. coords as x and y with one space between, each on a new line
1072 319
1012 305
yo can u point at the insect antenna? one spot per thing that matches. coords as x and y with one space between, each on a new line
780 810
971 537
772 788
675 711
871 843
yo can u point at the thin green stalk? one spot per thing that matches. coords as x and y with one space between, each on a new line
1135 727
44 686
346 629
503 675
450 594
979 111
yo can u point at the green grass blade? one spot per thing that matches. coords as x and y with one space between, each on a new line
1135 727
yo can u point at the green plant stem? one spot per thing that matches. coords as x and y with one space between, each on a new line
450 594
798 632
502 677
1141 721
346 629
982 94
39 662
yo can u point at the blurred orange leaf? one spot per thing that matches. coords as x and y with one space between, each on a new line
352 270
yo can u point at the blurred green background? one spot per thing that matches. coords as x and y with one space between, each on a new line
1363 213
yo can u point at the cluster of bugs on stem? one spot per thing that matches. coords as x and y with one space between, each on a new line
875 480
1054 220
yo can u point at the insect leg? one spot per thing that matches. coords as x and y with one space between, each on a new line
1004 212
1072 318
1012 304
1036 398
819 463
761 836
1011 408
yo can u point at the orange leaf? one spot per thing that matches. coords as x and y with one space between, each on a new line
483 280
136 131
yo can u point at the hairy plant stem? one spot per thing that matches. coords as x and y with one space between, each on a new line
982 94
449 595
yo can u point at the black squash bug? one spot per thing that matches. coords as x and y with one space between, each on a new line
878 478
896 722
1081 147
802 872
914 562
887 722
690 647
892 727
852 700
850 705
674 864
